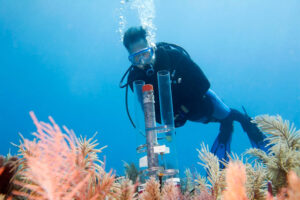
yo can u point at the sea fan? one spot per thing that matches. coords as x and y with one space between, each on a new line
284 155
235 179
56 167
152 190
216 176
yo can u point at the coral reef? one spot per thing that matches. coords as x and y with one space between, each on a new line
57 165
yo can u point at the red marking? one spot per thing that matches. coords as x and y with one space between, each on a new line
1 170
147 88
270 190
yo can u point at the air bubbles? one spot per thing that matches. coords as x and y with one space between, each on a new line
146 13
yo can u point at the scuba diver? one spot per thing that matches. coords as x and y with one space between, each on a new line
192 97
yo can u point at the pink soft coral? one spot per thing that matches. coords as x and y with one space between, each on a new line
171 192
293 186
152 190
235 179
55 168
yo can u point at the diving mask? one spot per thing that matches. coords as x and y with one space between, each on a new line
142 57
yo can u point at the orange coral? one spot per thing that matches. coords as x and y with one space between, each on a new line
269 196
235 179
56 169
204 195
293 186
127 190
52 164
152 191
103 187
171 192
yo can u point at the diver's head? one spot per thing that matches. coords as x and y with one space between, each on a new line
140 52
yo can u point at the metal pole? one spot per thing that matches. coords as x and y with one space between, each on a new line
150 124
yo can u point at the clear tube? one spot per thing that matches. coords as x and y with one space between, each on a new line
138 106
167 119
140 127
165 100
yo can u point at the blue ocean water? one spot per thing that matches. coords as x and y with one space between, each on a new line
65 59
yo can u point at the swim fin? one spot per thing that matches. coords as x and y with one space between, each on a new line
222 143
256 137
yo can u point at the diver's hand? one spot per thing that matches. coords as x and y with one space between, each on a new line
179 120
169 138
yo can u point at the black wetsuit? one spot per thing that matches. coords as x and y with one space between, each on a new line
189 85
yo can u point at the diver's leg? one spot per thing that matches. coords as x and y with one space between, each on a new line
256 137
221 113
220 109
222 143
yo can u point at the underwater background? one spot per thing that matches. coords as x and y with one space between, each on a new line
65 59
